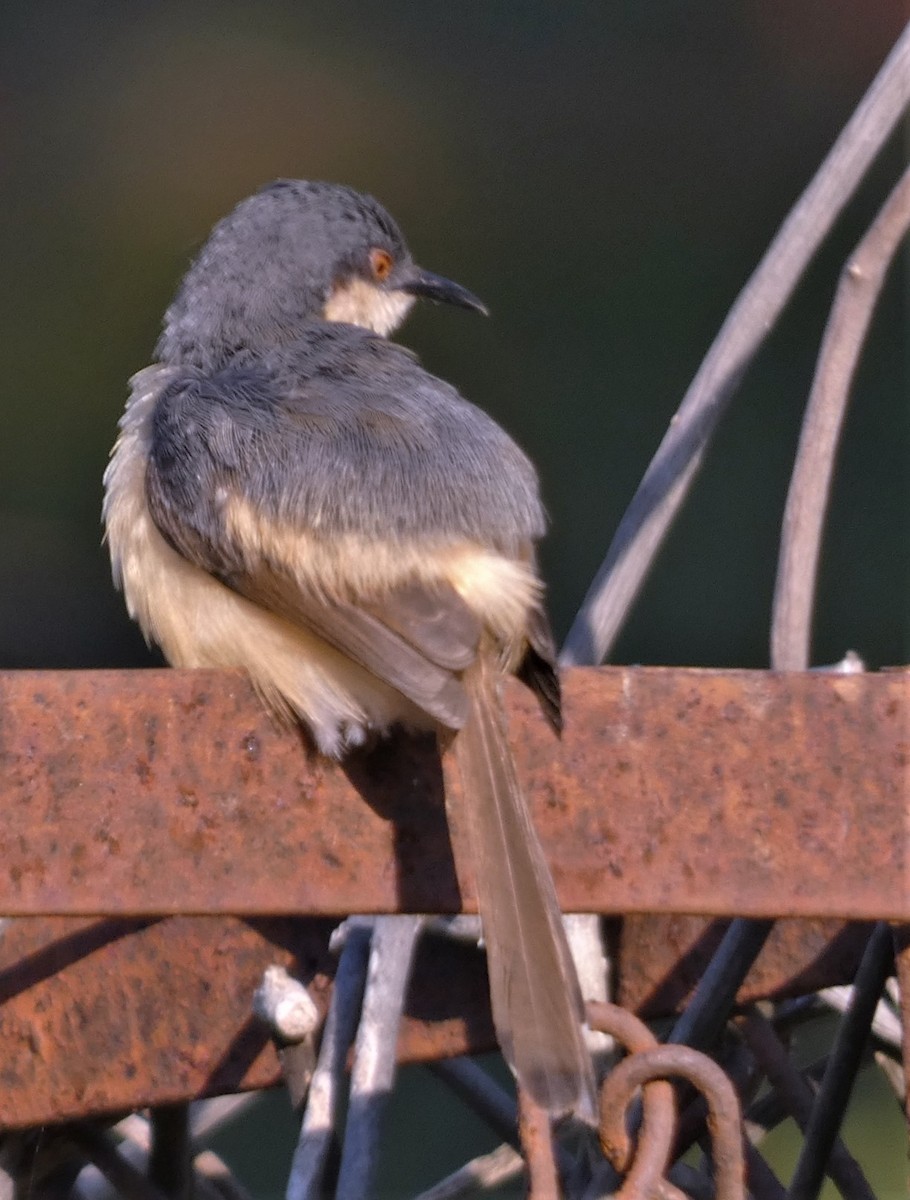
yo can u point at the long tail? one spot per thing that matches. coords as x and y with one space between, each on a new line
536 1000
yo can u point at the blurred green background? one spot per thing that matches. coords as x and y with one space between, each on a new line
605 176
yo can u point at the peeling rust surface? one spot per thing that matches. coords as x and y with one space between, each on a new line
130 796
98 1016
722 793
103 1016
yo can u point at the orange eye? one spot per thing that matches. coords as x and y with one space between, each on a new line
381 264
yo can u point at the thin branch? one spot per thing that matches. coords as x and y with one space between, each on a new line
901 935
886 1024
894 1074
709 1009
762 1181
293 1017
673 468
305 1182
207 1116
481 1174
840 1074
8 1154
391 958
766 1113
284 1004
211 1180
123 1177
592 962
860 284
798 1097
214 1178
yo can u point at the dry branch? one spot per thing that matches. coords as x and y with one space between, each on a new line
673 468
858 290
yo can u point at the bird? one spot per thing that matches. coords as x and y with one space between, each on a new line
293 494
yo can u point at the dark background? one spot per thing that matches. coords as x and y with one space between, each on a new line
605 176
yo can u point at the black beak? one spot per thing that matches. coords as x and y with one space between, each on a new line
443 291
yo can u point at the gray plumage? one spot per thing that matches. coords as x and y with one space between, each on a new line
294 495
324 424
269 266
342 432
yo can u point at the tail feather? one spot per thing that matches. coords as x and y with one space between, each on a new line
536 1000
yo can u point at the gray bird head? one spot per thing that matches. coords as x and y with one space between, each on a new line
296 252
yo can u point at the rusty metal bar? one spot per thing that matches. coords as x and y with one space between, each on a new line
101 1016
126 791
725 793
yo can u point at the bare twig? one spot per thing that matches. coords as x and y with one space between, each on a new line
481 1174
798 1097
487 1099
837 1082
707 1013
860 284
208 1115
285 1005
9 1156
216 1178
322 1105
136 1132
674 466
462 927
894 1074
901 935
123 1177
592 963
886 1024
212 1179
391 957
762 1181
769 1110
690 1181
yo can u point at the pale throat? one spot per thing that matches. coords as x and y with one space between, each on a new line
359 302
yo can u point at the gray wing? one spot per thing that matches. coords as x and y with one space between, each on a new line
347 433
249 443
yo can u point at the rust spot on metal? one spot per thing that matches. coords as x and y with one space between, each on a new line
132 795
108 1015
724 793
